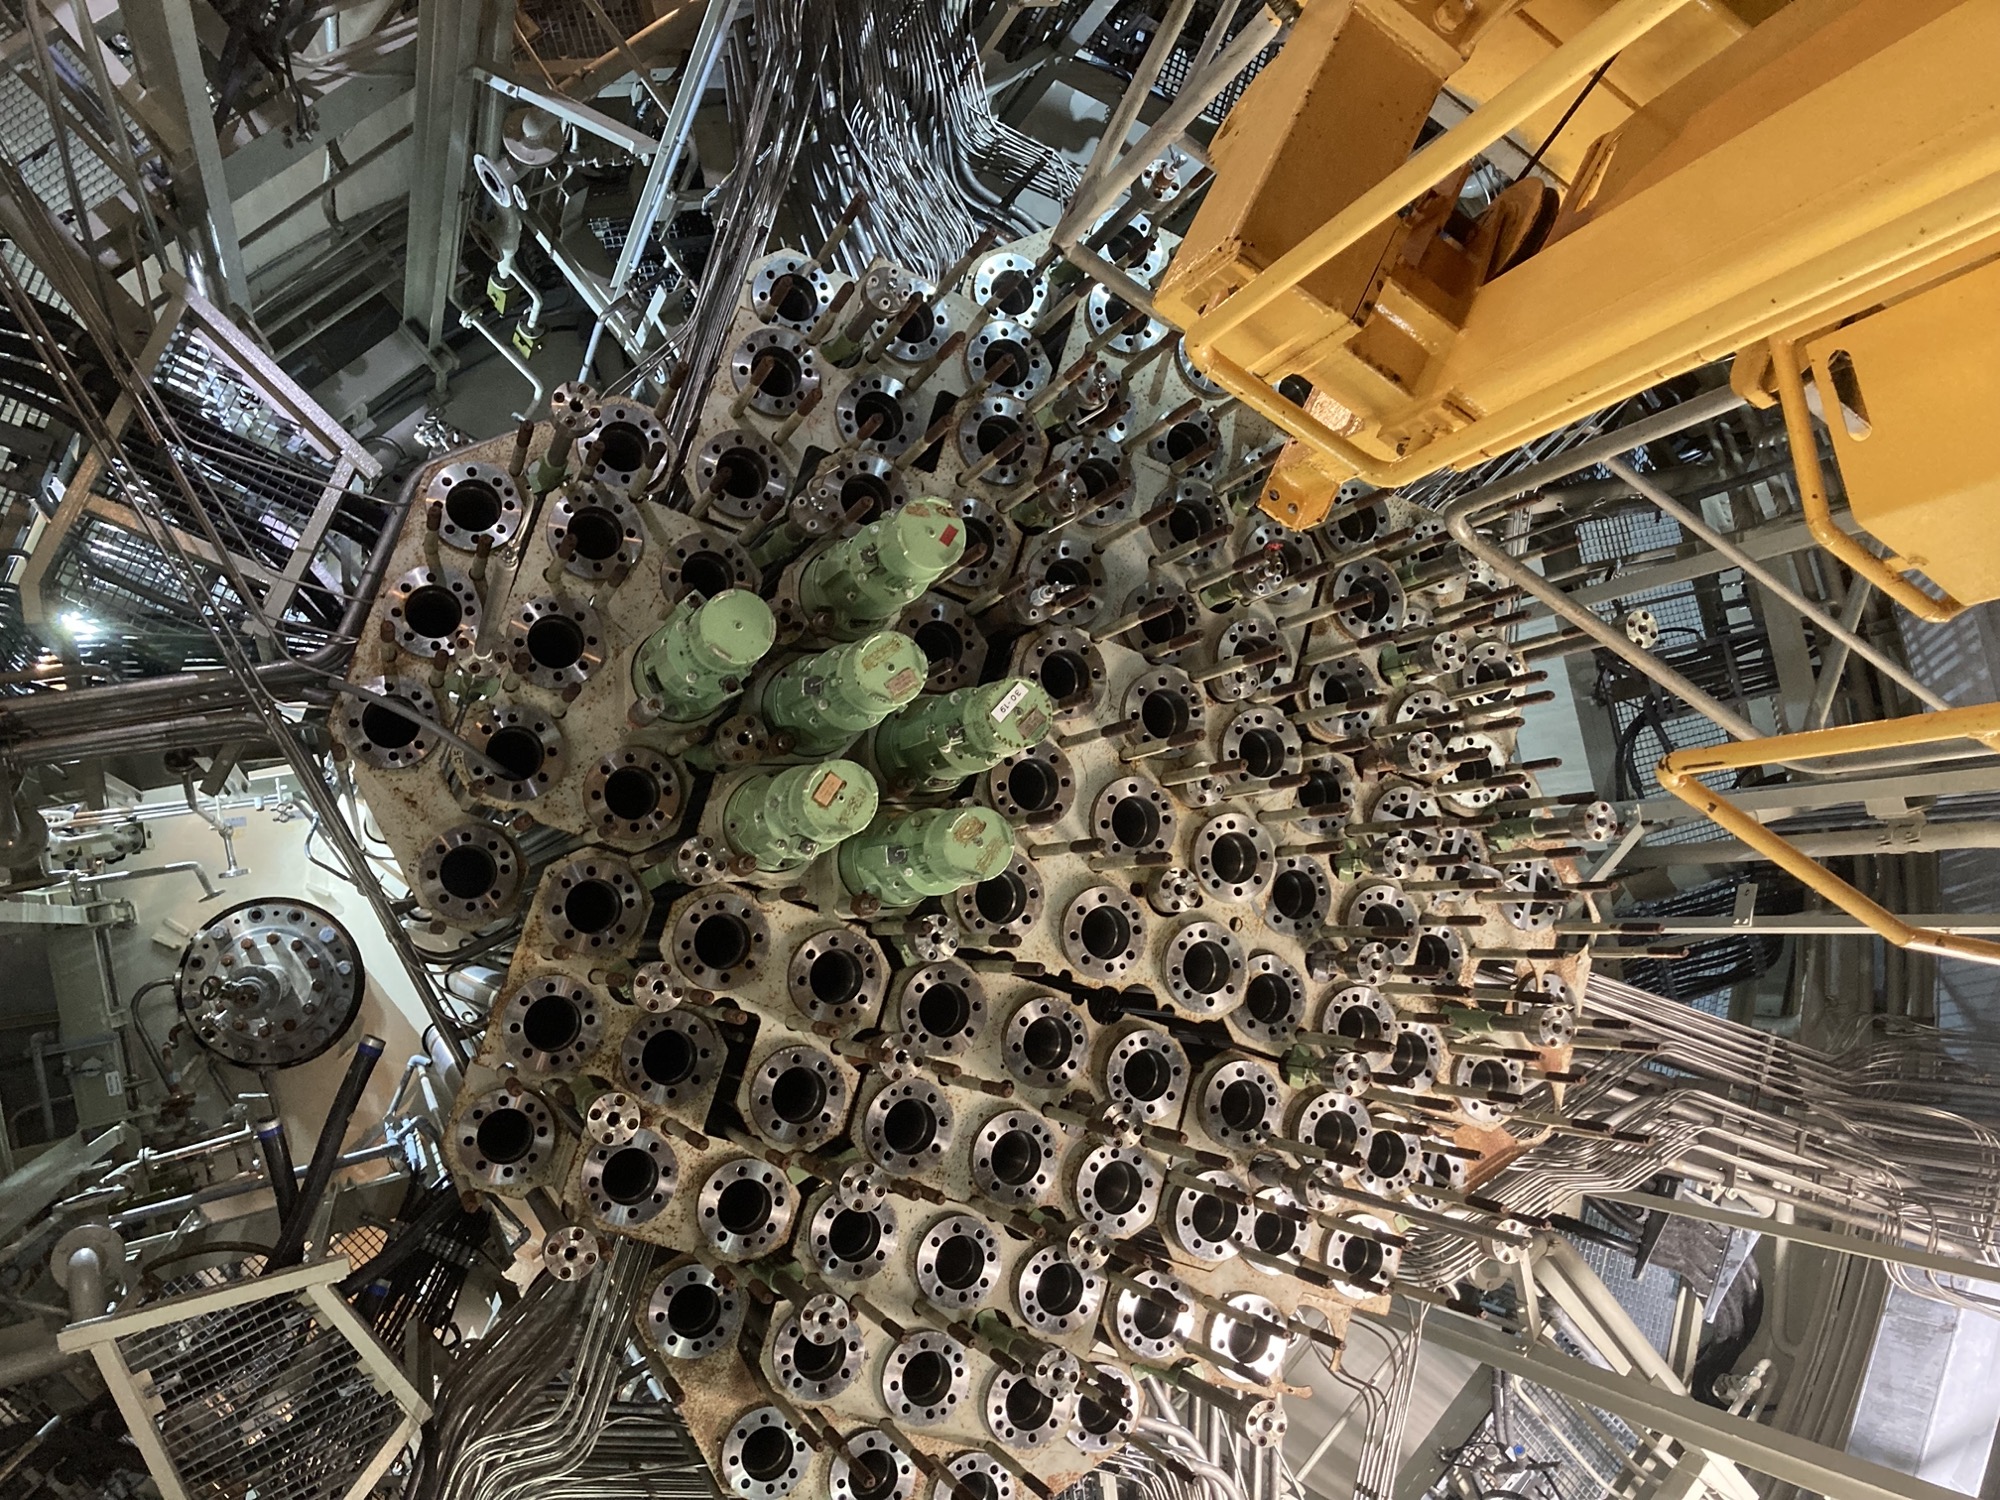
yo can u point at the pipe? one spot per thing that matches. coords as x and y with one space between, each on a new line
176 867
291 1243
1834 665
89 1296
1136 92
1883 573
506 350
36 1363
1691 522
278 1166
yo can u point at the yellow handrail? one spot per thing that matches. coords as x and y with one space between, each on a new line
1678 771
1819 513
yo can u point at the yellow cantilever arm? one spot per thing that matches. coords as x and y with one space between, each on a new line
1678 771
1818 512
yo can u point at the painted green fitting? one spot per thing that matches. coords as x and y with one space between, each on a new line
697 661
940 740
823 701
785 818
909 856
868 577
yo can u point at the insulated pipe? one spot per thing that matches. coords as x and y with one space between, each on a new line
278 1164
290 1247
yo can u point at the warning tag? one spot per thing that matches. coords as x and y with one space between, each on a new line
1010 700
948 535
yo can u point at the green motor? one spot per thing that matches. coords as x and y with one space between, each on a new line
697 661
785 818
934 852
823 701
867 578
947 737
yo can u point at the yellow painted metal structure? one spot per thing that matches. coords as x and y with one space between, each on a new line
1678 773
1819 161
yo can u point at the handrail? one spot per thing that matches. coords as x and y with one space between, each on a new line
1885 574
1677 773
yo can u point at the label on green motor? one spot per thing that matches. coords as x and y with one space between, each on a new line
1010 700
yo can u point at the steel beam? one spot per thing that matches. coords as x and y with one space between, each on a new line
449 34
168 54
1791 1459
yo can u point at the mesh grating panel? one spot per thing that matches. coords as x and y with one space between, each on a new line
262 1400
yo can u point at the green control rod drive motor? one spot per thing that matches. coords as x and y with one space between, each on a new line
823 701
947 737
697 661
929 853
866 579
785 818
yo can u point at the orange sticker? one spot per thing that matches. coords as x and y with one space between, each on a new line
830 786
948 535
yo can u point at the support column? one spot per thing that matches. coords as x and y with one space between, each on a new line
448 49
168 55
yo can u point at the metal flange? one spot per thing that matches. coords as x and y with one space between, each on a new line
1117 1188
554 643
633 1183
1146 1073
1239 1102
433 611
797 1098
1133 815
907 1126
596 537
745 1208
1104 932
1204 1224
940 1008
719 940
594 903
519 740
1014 1157
744 476
505 1138
377 735
925 1378
1234 857
1010 902
764 1457
837 976
1152 1325
692 1313
1020 1413
849 1242
1054 1294
818 1363
1274 1001
634 796
1204 968
480 502
1044 1042
551 1022
957 1261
